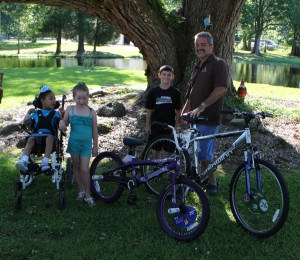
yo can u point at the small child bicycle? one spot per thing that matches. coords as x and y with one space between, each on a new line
182 207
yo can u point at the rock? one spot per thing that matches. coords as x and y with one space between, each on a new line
7 130
7 117
21 143
103 129
113 109
97 94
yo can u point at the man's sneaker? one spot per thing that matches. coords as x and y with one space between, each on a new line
45 167
212 189
22 166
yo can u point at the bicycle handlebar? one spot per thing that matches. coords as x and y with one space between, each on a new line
249 115
193 120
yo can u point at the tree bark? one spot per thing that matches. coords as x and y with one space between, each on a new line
161 37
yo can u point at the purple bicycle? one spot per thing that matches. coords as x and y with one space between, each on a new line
182 207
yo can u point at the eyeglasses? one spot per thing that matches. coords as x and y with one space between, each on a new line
45 89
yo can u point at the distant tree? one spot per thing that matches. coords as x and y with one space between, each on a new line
246 25
78 27
101 33
8 20
259 16
81 25
55 20
32 18
22 21
14 24
293 23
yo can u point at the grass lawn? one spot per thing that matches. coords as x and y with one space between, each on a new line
120 231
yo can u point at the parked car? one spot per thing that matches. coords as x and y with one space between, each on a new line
271 46
261 44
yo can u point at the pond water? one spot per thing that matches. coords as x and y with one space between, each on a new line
273 74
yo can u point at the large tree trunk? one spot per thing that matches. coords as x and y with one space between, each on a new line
163 38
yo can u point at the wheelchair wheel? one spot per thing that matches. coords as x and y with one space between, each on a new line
61 197
61 201
18 196
18 202
69 175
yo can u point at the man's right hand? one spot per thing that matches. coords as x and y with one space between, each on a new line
196 112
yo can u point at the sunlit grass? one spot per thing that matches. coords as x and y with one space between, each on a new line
21 84
283 102
281 56
271 92
8 48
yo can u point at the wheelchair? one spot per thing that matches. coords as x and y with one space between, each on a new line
59 175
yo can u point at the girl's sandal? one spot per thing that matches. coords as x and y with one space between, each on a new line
90 201
81 196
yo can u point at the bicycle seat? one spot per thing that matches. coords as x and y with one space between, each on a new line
186 117
132 141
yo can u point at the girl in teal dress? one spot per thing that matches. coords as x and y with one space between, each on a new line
83 139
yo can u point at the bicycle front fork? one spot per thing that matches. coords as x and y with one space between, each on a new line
250 164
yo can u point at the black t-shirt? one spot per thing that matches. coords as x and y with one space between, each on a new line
164 102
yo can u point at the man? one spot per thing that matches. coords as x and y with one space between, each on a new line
204 96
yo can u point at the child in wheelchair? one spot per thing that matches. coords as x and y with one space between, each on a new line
44 122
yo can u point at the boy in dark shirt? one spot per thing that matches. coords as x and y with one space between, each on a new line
163 104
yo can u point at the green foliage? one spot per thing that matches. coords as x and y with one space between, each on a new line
32 21
101 33
262 18
169 11
232 102
55 20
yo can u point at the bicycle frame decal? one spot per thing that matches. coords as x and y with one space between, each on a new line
170 166
229 152
223 157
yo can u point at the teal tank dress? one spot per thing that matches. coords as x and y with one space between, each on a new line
80 140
